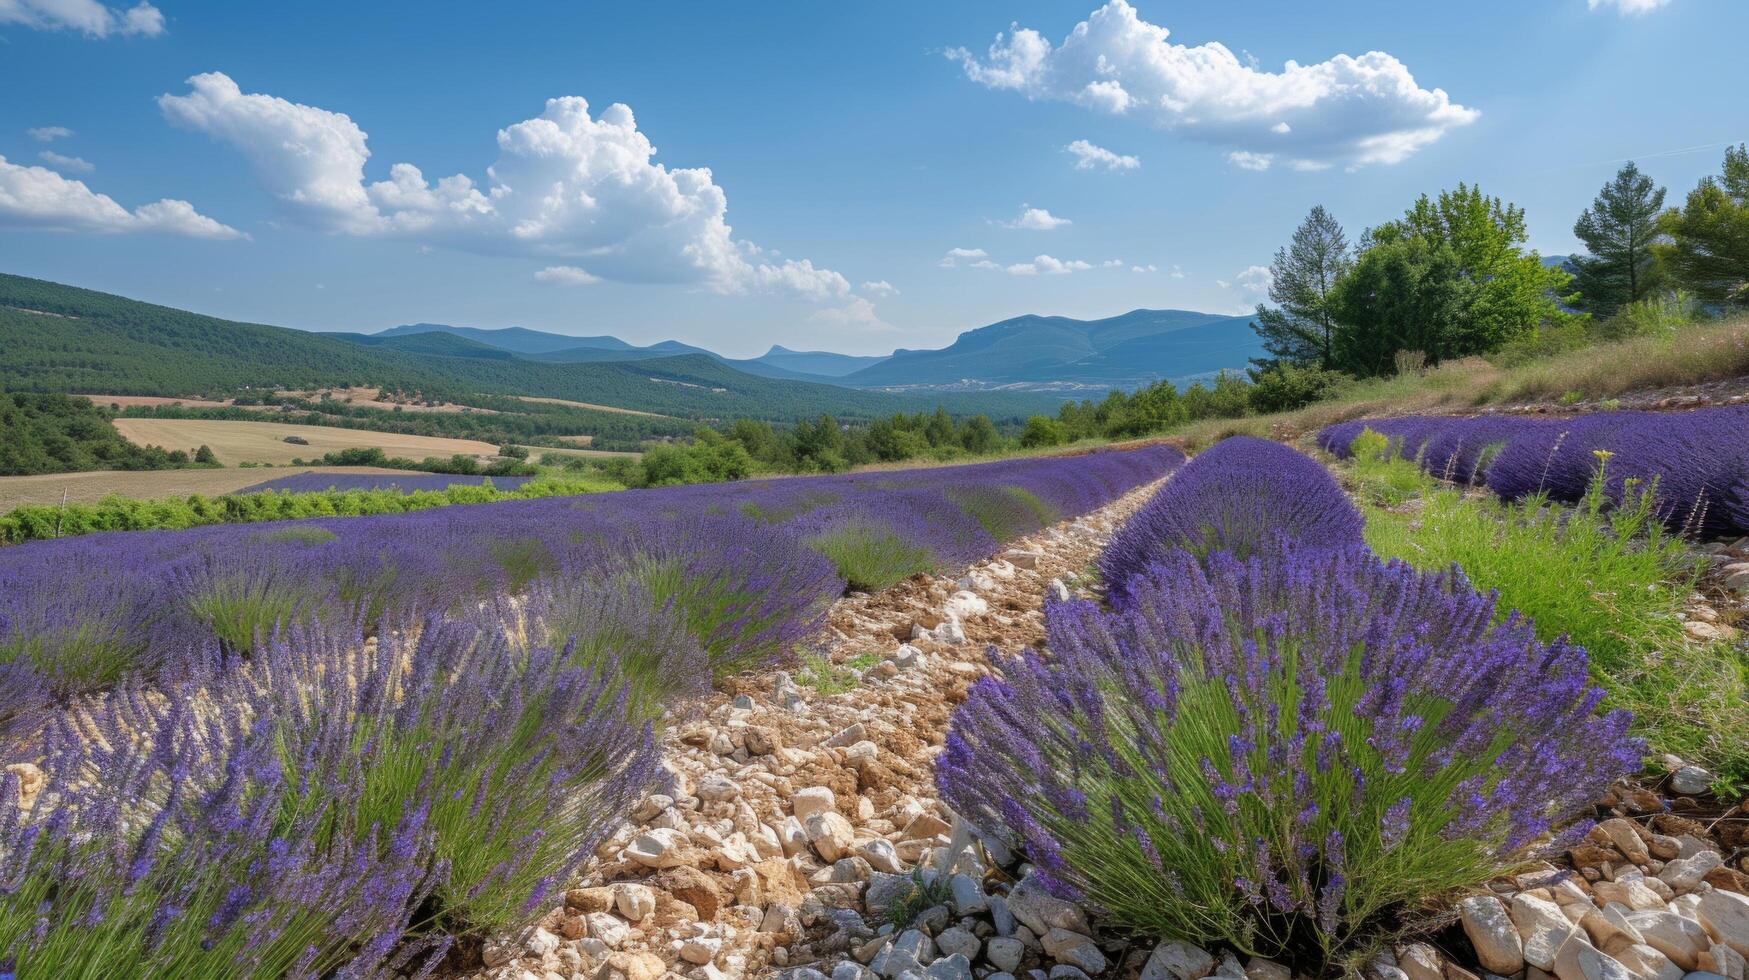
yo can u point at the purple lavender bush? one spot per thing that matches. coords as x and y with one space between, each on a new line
622 630
523 761
1695 464
173 841
1282 752
1558 460
1241 496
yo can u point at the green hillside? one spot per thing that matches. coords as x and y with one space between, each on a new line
61 338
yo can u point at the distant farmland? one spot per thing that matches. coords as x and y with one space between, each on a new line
88 488
264 442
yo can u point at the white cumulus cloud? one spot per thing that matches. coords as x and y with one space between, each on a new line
564 275
1627 7
880 288
37 197
1035 219
1045 265
86 16
566 186
955 255
1088 156
857 314
48 134
70 164
1346 110
1252 282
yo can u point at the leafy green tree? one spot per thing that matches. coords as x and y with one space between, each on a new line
1619 230
1709 248
1301 329
1043 431
939 429
978 435
204 456
1450 278
1401 295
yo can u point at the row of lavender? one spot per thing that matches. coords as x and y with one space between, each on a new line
1697 462
322 749
1272 738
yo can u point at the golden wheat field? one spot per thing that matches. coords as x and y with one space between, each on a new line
264 442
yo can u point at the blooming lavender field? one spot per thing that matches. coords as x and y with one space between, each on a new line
327 748
1695 463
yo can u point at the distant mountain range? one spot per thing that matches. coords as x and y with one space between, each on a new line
1025 353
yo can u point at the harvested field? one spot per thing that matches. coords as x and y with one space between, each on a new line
264 442
590 405
86 488
153 401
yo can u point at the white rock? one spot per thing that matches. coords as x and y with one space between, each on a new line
1022 558
1725 961
966 894
659 848
880 855
950 632
1178 961
965 605
955 967
1041 911
1258 968
958 941
1004 953
1726 916
1648 963
1690 780
831 834
1421 962
1498 943
633 901
1579 960
1608 924
1683 874
811 800
792 836
1057 590
1683 940
609 929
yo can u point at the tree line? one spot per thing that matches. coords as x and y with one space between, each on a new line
1452 277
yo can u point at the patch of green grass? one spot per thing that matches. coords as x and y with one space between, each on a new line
1006 512
1382 478
925 894
1611 580
871 558
825 677
863 661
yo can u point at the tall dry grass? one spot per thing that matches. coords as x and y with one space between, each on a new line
1691 355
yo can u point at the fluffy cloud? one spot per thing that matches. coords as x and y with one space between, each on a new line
87 16
1089 156
71 164
48 134
1252 282
955 255
1347 110
37 197
1176 273
566 186
1629 6
1150 267
564 275
858 314
1036 219
881 288
1045 265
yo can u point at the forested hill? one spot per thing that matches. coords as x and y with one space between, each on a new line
62 338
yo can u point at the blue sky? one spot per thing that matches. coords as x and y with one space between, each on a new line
849 149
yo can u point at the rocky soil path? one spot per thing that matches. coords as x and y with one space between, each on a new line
803 807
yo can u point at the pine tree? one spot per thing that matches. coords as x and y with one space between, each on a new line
1709 248
1619 230
1300 330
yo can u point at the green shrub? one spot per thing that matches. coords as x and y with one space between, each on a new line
824 677
1615 583
1005 512
871 558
